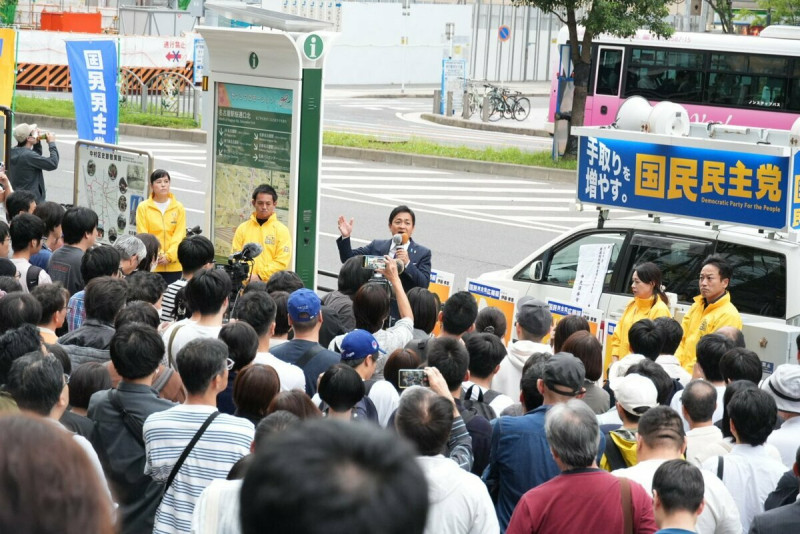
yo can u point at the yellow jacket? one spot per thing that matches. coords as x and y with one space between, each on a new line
625 440
273 236
169 228
636 310
701 320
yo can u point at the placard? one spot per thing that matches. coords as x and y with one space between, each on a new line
593 263
593 316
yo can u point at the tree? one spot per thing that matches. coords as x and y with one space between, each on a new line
616 17
724 10
779 12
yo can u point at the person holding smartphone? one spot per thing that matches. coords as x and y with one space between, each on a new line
27 163
5 191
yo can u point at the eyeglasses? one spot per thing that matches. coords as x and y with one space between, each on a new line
230 363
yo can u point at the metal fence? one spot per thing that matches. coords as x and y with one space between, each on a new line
167 93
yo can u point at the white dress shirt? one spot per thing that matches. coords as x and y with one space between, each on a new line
786 439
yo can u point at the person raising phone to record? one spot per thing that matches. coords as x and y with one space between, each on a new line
415 257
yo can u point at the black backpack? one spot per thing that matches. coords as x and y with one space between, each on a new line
480 406
32 277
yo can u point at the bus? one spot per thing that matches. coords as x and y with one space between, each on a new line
731 79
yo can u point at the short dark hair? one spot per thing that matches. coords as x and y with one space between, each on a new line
486 351
273 424
254 388
371 307
3 230
680 486
659 377
700 400
565 327
265 189
104 298
77 222
52 298
661 426
86 380
17 309
671 334
292 478
255 286
341 387
51 213
399 359
194 252
425 306
146 286
9 284
584 346
207 290
136 350
138 311
242 342
451 358
61 355
281 299
730 390
100 260
14 343
710 350
18 202
288 281
753 412
529 387
24 229
36 381
491 321
159 173
724 268
257 309
459 313
644 338
199 361
403 209
353 275
425 419
740 364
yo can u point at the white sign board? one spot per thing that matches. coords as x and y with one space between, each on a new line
592 269
454 78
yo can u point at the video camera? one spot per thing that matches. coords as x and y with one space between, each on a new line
239 268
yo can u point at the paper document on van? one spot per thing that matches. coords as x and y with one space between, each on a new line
593 263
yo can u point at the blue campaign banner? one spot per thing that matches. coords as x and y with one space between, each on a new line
795 191
93 70
720 185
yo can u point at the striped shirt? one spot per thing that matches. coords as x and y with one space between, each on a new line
168 301
166 435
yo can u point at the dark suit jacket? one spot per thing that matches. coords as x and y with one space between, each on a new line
416 274
783 519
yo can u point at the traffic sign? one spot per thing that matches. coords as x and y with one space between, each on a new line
504 33
312 46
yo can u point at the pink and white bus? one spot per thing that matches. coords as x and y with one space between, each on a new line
732 79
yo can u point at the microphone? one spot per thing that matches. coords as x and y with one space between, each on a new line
249 252
400 239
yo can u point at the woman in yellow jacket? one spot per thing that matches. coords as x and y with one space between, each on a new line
165 218
649 302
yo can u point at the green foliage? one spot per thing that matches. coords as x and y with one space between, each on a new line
780 12
427 148
724 10
8 11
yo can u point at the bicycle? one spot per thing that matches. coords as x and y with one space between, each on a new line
474 98
509 105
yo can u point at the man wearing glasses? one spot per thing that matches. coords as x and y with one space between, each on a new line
27 162
712 309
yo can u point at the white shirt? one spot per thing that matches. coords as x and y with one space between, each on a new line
189 330
703 443
750 474
498 404
217 509
786 439
677 405
22 266
385 398
291 376
720 516
672 366
459 501
611 417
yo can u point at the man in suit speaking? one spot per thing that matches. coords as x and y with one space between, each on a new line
415 257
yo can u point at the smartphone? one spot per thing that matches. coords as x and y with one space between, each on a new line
412 377
374 262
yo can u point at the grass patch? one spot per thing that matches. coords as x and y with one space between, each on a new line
65 108
416 145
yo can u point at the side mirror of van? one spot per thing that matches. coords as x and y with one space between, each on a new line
536 270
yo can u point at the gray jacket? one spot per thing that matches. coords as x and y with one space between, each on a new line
25 168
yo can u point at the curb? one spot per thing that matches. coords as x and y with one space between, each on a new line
451 164
483 126
152 132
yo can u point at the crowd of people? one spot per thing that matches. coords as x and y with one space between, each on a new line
179 405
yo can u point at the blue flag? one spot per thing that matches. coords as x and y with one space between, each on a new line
93 69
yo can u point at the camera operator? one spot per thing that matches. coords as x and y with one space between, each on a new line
26 161
264 229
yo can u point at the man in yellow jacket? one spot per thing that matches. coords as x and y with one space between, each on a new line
712 309
264 229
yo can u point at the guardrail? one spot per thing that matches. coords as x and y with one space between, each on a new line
167 93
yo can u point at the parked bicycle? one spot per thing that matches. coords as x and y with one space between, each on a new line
505 103
474 97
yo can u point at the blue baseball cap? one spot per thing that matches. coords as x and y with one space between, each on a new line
359 344
303 306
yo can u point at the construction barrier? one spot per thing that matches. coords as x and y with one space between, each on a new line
56 77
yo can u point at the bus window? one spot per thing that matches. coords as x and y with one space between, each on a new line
793 102
609 66
758 285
